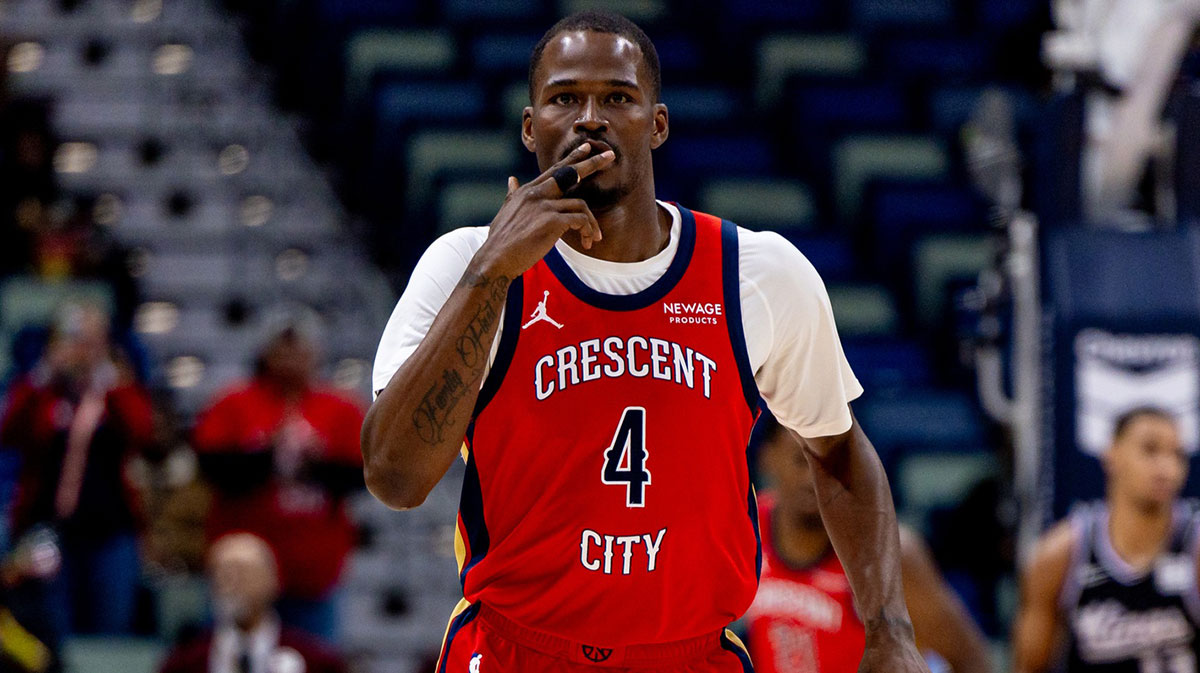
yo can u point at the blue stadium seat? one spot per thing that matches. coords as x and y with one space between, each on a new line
493 54
703 156
919 420
849 105
832 255
907 57
903 211
678 54
996 15
872 14
773 13
349 13
888 363
467 11
399 104
700 105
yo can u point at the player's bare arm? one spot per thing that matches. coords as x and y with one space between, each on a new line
856 506
413 431
940 621
1038 626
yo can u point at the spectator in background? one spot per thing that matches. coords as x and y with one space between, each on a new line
77 419
803 619
1114 587
248 636
27 174
281 453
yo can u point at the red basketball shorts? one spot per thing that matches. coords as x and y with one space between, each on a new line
480 640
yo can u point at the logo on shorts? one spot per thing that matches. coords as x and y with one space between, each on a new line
475 660
597 654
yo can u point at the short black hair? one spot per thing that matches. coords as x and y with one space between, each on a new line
602 22
1126 419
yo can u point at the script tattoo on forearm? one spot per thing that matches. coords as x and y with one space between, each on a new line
436 410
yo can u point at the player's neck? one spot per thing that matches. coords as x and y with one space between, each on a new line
634 230
1138 533
800 540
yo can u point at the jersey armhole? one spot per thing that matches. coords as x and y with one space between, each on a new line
731 280
510 331
1191 547
1081 523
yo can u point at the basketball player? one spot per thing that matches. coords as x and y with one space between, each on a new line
803 619
607 516
1113 587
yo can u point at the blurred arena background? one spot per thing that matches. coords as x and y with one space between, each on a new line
999 194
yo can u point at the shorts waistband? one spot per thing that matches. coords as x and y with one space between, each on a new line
597 654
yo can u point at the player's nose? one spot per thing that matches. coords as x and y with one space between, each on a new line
590 118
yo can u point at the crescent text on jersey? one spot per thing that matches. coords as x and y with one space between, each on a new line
615 357
693 312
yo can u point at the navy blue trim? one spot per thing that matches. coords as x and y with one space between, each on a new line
465 617
638 300
758 551
514 309
727 644
733 311
470 510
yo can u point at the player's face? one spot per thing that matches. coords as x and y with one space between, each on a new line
790 475
243 582
1147 463
595 87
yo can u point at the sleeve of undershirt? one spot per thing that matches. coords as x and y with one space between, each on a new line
432 281
804 379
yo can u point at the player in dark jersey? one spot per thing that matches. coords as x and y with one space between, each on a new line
1113 588
607 516
803 619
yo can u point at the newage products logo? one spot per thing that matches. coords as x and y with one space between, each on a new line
693 312
1115 373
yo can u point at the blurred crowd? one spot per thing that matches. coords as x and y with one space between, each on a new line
108 495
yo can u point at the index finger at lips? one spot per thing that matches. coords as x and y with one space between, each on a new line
593 164
575 155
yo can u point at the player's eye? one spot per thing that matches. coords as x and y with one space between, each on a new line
620 98
563 99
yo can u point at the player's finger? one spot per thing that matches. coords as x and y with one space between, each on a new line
575 155
580 206
593 164
512 185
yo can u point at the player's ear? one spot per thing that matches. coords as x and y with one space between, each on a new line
527 129
662 126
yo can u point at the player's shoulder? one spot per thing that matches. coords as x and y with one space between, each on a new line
462 242
1054 548
766 255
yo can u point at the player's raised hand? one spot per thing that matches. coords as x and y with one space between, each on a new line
535 215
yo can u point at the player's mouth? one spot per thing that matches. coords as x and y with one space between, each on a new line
596 147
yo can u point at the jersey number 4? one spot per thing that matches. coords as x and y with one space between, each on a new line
625 460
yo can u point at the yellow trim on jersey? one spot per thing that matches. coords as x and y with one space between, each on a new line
736 641
460 547
463 604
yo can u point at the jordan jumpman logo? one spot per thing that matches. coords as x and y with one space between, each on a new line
539 313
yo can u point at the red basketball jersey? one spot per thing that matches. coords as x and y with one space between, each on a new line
607 497
803 619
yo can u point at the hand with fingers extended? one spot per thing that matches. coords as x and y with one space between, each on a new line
535 215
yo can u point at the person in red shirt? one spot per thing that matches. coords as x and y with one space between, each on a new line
77 419
282 452
803 619
248 636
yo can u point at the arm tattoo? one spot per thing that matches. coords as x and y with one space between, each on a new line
434 412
